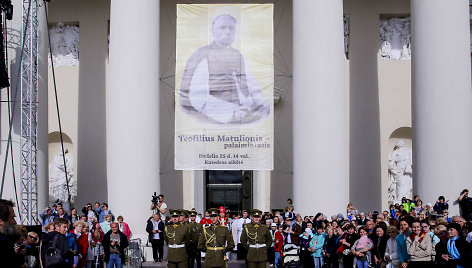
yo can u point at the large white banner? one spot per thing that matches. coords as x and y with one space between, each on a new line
224 82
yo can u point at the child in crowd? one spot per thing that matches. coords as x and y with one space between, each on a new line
361 249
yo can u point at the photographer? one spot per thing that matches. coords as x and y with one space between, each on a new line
47 217
89 211
158 205
465 202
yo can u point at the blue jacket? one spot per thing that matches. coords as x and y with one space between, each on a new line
401 245
46 218
70 238
102 213
439 207
317 242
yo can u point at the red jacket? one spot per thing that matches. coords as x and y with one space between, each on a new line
205 221
126 230
82 247
280 244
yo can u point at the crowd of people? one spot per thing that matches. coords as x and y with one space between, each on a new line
92 239
411 234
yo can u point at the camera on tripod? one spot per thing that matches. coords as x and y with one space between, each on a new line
7 7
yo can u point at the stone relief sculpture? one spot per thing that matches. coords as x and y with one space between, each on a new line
64 45
346 36
57 177
395 38
400 169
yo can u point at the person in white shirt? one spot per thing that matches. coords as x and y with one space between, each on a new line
242 252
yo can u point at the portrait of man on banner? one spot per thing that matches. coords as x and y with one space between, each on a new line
217 83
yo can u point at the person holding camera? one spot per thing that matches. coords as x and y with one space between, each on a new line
465 202
104 211
158 205
47 217
114 244
90 212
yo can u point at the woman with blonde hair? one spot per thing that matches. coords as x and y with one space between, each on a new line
391 251
49 227
80 233
329 248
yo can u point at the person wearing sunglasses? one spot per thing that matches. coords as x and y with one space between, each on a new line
32 252
103 211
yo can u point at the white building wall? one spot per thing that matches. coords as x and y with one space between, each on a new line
379 102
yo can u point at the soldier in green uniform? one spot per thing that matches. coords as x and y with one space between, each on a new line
216 241
183 219
257 239
176 236
195 230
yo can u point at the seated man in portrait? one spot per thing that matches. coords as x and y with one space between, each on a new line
217 81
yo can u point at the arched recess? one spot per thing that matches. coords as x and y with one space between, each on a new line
54 144
405 134
54 147
401 133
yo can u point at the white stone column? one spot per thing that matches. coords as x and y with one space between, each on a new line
441 99
261 186
319 108
193 190
133 111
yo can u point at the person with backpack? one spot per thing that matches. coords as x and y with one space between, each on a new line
54 248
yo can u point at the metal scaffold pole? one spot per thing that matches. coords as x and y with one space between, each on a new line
29 114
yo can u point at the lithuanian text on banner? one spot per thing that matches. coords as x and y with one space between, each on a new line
224 86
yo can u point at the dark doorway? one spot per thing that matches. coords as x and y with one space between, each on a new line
231 189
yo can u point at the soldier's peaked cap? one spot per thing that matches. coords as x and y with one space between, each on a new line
174 213
184 212
213 212
193 213
256 213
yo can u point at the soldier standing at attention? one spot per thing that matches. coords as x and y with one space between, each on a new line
216 241
196 230
257 239
183 218
176 236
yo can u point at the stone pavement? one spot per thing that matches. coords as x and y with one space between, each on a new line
231 264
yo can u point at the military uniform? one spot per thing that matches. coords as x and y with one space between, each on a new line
257 239
195 231
176 236
216 241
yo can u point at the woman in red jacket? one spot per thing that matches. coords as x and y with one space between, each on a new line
124 228
81 237
278 246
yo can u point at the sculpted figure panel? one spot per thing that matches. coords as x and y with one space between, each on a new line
395 37
400 169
